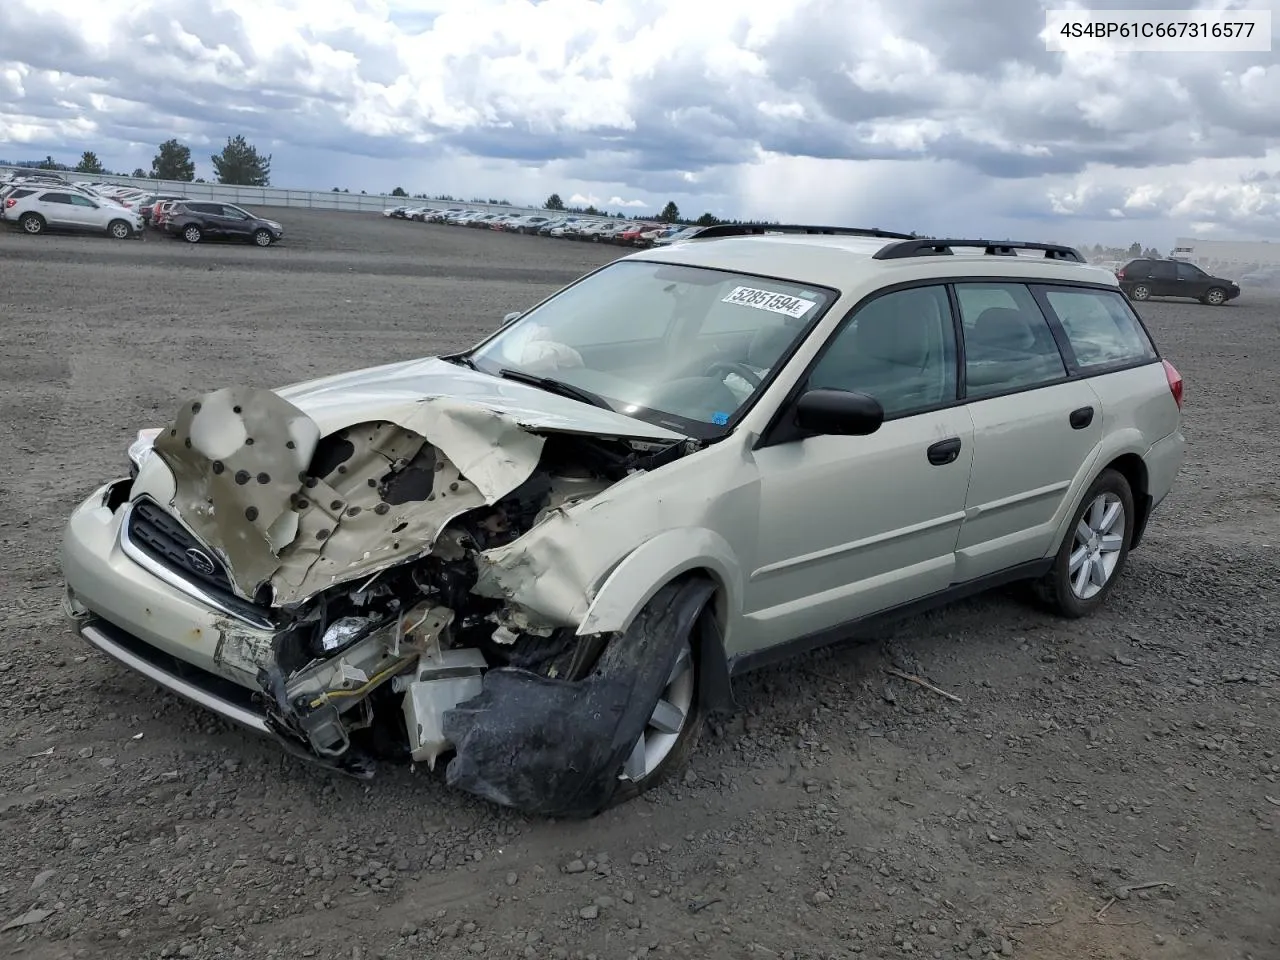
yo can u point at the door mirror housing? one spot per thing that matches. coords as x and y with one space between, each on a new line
843 413
510 318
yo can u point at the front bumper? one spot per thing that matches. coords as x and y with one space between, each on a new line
150 623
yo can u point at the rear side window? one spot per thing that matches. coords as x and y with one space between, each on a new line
1100 326
1008 343
56 198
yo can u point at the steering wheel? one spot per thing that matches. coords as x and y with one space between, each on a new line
730 366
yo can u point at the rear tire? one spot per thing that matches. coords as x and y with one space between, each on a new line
1094 551
192 234
1214 297
1140 291
33 224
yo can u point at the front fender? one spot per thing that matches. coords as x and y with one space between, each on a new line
658 561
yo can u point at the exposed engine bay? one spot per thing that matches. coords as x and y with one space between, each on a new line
373 554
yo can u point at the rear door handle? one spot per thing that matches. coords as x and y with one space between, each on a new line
1081 418
944 451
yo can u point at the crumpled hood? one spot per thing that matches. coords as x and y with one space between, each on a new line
376 393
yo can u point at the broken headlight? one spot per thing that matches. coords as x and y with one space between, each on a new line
142 447
343 632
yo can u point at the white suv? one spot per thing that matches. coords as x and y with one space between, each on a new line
549 555
68 208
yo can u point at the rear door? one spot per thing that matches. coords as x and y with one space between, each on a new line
1164 279
57 210
1035 428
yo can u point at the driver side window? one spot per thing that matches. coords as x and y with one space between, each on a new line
900 348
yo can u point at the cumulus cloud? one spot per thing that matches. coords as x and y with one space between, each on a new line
906 112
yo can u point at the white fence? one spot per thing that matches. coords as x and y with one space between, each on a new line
277 197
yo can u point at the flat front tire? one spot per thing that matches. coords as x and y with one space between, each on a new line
1094 551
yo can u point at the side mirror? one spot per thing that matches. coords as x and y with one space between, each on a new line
514 315
838 413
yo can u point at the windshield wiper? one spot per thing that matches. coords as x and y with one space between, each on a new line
463 359
552 385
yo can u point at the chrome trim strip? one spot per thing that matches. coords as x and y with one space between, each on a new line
209 701
161 572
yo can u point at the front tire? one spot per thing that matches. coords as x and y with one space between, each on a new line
192 234
1214 297
1140 291
119 230
672 733
1094 551
262 238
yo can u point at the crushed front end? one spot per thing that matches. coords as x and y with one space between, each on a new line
324 588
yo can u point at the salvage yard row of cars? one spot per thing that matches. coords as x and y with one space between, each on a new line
540 562
41 202
627 233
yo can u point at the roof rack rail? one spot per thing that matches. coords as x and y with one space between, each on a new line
753 229
991 248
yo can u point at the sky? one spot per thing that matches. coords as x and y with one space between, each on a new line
947 117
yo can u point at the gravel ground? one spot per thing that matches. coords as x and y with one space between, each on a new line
1105 789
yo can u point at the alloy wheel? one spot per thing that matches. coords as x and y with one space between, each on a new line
1098 543
667 722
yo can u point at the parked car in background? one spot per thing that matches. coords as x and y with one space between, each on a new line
64 208
680 234
595 231
147 207
1144 278
1266 277
198 220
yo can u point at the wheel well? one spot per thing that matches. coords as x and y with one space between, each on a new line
715 685
32 213
1131 467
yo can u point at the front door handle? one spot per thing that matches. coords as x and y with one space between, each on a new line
1081 418
944 451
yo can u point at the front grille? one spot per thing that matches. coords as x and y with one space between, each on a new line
166 541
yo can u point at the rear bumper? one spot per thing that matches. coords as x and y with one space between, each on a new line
1163 462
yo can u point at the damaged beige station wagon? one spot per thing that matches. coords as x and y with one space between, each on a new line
539 563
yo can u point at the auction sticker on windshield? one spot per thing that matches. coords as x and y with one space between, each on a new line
770 300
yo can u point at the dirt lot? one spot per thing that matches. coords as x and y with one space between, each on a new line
1106 789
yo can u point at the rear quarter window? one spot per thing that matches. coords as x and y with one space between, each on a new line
1100 326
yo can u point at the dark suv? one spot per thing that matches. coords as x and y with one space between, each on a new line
196 220
1145 278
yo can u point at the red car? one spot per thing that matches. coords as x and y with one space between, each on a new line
631 236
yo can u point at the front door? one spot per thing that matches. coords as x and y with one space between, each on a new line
1192 281
848 525
1034 429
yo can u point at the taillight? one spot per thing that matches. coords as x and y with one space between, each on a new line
1175 382
1120 274
10 202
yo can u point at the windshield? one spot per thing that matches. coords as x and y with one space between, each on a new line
683 347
